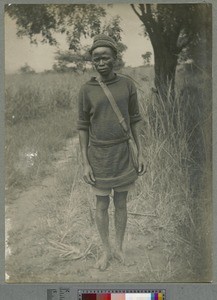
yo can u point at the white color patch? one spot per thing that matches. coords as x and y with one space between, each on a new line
138 296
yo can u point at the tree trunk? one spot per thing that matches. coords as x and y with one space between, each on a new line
165 69
164 118
164 43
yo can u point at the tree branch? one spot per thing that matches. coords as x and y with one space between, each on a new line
144 18
153 28
136 12
142 8
148 8
148 18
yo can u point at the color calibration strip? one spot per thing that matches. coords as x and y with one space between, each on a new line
124 296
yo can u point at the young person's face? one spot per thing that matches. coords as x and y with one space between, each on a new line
103 59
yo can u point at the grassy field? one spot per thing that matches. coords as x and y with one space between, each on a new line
170 206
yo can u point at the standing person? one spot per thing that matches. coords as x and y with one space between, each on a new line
104 144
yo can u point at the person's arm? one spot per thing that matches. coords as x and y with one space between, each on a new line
83 125
142 165
88 172
135 126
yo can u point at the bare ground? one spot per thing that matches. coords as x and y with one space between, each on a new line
36 251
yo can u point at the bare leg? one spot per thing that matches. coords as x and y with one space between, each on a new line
102 221
120 204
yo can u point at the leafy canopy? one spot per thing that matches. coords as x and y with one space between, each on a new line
42 21
173 26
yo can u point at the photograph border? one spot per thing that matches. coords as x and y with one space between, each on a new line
174 291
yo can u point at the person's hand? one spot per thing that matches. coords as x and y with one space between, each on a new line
88 175
142 165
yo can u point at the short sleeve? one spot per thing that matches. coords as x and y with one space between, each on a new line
83 121
134 105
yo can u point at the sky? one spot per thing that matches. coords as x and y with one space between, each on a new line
19 51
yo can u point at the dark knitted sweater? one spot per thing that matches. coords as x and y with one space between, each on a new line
108 152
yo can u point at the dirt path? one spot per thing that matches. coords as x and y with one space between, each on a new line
29 258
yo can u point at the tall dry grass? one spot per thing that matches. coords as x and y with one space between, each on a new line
177 138
173 199
40 115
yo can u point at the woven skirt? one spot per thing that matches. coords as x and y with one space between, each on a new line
112 165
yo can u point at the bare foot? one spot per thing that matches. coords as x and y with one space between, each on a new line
103 262
119 255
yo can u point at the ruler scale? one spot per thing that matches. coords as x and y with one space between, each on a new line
121 295
64 294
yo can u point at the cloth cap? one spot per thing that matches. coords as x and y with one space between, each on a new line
102 40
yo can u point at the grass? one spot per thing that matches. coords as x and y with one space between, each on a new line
40 116
170 206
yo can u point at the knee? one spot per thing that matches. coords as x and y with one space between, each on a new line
121 206
120 200
102 204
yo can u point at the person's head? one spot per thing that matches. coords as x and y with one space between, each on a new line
103 53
